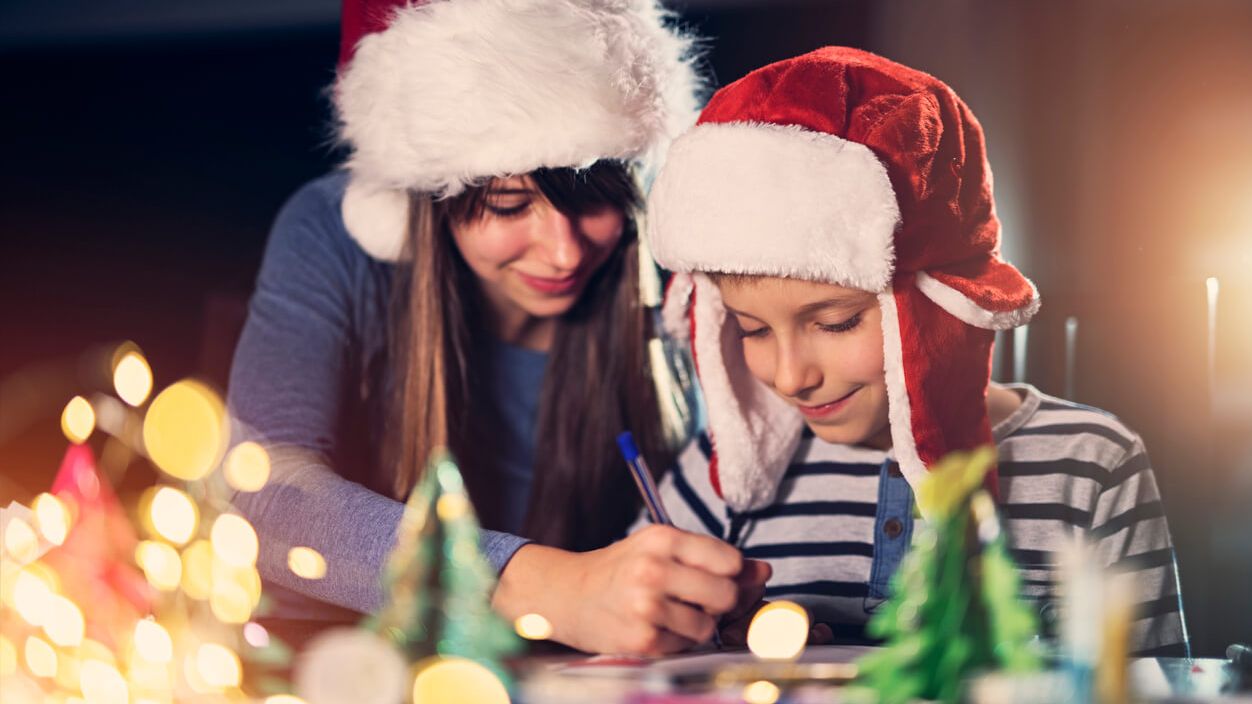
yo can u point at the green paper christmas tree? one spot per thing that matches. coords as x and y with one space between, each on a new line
438 583
954 609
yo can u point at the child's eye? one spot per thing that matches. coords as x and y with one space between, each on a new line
841 327
754 332
510 209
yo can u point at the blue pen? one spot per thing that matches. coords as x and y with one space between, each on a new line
647 487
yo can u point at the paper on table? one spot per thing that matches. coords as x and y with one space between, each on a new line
695 662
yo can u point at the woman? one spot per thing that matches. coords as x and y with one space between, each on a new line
470 281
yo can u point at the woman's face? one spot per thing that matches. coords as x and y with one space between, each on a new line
819 347
533 261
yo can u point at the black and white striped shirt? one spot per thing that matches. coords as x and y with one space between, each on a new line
843 517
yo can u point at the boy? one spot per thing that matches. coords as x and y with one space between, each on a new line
831 221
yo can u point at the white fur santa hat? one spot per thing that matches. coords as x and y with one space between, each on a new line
436 95
839 166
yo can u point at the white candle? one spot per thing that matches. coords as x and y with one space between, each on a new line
1211 288
1020 337
1071 357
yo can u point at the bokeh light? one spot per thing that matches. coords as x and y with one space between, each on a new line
153 642
63 621
103 684
453 680
256 635
52 518
234 541
247 467
21 541
132 378
778 631
32 597
161 564
284 699
761 692
185 430
8 657
78 420
198 570
230 601
174 515
533 627
41 659
452 506
306 562
218 666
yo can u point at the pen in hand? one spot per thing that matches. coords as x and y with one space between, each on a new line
647 487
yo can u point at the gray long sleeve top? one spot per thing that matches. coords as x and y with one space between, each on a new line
310 380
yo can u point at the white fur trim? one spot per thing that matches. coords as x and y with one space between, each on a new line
752 198
969 312
456 91
755 433
376 219
674 307
899 411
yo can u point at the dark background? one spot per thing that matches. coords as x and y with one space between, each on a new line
148 143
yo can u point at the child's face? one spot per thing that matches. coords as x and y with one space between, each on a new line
819 347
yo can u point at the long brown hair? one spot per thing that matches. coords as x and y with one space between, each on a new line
597 382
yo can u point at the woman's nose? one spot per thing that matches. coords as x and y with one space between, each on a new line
563 241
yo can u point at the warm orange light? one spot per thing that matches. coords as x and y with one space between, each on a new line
174 515
779 631
453 680
153 642
247 467
533 627
306 562
132 378
161 564
234 540
78 420
52 518
184 431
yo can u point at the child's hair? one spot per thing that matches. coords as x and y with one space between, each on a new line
581 496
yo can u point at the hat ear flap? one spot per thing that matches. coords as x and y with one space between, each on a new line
938 370
754 432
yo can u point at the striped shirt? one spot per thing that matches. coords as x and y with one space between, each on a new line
843 517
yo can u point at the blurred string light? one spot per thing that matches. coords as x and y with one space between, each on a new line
306 562
454 680
161 564
8 657
284 699
218 666
234 541
185 431
533 627
32 597
153 642
132 377
78 420
256 635
198 570
174 515
52 518
247 467
103 684
63 622
778 631
41 659
761 692
20 541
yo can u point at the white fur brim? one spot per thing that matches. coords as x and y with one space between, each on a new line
755 433
969 312
899 410
454 92
773 200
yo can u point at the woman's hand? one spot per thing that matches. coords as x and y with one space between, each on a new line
659 591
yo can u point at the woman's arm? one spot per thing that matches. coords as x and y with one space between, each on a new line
285 390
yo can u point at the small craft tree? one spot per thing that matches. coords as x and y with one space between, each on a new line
437 581
954 609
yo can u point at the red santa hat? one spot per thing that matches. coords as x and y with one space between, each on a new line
436 95
839 166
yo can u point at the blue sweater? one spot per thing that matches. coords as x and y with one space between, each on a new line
311 379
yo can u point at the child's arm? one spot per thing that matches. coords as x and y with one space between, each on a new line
1132 537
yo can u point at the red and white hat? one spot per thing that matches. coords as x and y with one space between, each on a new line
436 95
839 166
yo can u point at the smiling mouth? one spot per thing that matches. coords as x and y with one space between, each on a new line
551 286
827 409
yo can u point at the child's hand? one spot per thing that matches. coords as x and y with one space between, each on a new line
659 591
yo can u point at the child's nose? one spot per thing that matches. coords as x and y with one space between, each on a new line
794 374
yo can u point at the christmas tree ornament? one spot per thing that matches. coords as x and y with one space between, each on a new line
954 610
